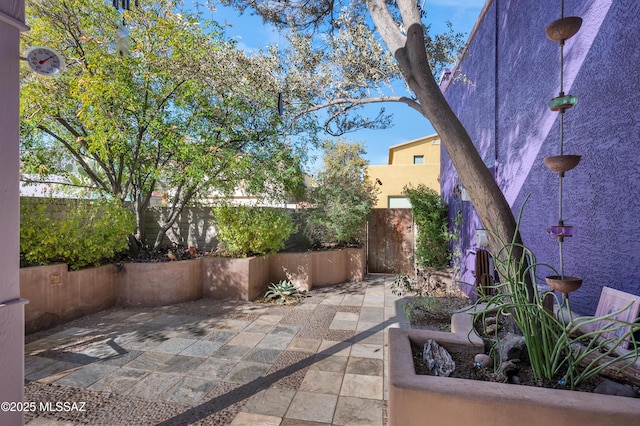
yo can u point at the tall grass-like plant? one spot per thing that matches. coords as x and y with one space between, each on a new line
558 347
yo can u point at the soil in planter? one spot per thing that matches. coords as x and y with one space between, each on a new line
444 299
465 369
163 254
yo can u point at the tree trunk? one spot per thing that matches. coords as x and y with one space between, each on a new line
140 212
140 204
485 194
179 202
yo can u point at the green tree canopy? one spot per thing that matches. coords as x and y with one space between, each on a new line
184 112
342 195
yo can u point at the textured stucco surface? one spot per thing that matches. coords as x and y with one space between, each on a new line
512 71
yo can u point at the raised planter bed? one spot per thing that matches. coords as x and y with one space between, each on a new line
243 279
158 284
57 295
417 400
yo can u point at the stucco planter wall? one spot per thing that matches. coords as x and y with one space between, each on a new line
157 284
243 279
357 264
329 267
417 400
295 267
318 268
249 278
56 295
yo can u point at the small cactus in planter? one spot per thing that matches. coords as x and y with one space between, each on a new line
284 292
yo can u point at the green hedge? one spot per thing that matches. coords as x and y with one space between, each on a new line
430 216
248 230
87 234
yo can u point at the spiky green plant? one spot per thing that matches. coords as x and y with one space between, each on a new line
559 348
284 292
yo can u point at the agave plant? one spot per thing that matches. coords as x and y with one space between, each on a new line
284 292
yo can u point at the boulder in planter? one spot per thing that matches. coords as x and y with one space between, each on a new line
416 400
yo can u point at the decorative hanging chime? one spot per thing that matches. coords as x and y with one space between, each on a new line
124 4
122 36
559 31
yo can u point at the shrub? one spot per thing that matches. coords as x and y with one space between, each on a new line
87 235
430 216
248 230
342 197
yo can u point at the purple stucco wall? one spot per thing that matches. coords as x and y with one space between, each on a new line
512 71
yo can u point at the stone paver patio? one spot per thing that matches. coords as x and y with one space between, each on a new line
322 362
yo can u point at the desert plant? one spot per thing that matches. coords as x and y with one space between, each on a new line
430 216
248 230
283 292
558 348
87 235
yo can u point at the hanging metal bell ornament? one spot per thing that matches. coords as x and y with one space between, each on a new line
122 41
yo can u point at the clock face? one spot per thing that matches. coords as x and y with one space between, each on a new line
45 61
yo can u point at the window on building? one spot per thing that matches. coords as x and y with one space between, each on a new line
418 159
395 202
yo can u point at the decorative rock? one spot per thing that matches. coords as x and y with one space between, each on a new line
509 367
513 346
439 361
491 329
609 387
490 320
482 360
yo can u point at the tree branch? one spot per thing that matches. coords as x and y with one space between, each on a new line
99 182
52 182
357 101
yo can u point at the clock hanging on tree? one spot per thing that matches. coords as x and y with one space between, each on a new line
45 61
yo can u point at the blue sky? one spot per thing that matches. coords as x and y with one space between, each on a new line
407 123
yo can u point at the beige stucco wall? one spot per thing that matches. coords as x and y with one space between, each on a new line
429 147
395 177
448 401
294 267
401 171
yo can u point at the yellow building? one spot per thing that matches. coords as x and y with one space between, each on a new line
414 162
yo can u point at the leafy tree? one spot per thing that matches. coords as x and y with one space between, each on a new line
184 112
341 197
346 39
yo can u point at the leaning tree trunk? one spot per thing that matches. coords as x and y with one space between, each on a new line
485 194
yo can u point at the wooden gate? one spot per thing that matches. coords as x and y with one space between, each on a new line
390 241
